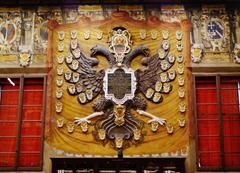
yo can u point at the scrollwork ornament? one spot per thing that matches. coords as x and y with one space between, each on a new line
236 53
196 53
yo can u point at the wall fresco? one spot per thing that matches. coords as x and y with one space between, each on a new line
74 119
30 44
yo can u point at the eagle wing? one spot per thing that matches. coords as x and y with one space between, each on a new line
83 80
155 79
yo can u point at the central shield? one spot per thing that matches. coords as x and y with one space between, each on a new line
119 84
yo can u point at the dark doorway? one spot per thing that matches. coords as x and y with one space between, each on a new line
118 165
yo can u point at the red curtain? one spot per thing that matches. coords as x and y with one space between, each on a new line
231 121
9 97
31 131
30 143
208 123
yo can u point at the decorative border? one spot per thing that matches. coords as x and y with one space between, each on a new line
127 96
217 45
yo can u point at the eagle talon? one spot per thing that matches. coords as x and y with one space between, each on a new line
81 120
155 121
161 121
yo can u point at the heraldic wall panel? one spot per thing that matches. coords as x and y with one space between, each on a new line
119 84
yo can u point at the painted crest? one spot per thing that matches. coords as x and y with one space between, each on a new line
25 56
119 43
215 30
99 34
143 34
196 53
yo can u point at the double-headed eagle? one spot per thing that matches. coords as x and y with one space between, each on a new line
119 86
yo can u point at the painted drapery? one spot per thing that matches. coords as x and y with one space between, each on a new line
174 107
